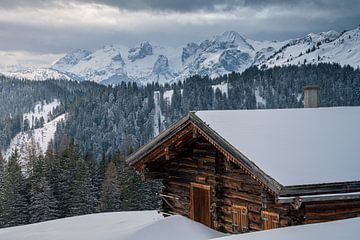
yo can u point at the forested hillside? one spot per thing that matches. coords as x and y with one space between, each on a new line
104 119
84 170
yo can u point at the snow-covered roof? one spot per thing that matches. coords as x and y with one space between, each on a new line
342 229
294 146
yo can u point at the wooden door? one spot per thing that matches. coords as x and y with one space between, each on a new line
270 220
240 220
200 203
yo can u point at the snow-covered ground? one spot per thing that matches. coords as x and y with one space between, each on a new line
168 95
136 225
158 116
150 225
223 87
41 110
43 135
343 229
260 101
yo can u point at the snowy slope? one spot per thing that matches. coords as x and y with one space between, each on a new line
41 110
70 59
112 64
158 116
134 225
223 88
342 229
222 54
323 47
39 74
168 96
42 135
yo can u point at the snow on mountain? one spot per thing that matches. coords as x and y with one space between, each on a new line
329 47
103 64
38 74
70 59
42 134
133 225
161 71
145 49
222 54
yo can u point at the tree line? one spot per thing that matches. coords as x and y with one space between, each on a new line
64 183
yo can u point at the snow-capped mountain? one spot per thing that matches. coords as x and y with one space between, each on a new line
70 59
222 54
39 74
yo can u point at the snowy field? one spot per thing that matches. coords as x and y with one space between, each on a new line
147 225
348 229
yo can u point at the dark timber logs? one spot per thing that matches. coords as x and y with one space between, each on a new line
211 183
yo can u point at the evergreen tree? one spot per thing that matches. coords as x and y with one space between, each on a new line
16 194
61 178
43 205
82 200
92 167
110 198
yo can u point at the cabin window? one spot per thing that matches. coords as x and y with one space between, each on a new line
240 220
270 220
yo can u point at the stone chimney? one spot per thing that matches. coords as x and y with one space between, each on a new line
311 96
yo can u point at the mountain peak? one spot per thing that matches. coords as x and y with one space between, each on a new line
70 59
230 36
140 52
324 36
232 39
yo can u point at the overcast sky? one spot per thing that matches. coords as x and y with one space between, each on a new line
37 32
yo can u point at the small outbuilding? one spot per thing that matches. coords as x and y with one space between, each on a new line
249 170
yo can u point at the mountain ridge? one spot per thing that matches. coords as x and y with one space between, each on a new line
222 54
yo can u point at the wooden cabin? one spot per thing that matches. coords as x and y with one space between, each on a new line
249 170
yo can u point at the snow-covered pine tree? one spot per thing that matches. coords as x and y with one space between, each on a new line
110 198
16 193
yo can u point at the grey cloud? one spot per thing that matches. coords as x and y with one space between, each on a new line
57 39
189 5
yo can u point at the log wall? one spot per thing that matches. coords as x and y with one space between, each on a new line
200 162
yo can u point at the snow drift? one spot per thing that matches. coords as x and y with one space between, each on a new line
113 226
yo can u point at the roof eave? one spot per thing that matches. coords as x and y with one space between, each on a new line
317 189
150 146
